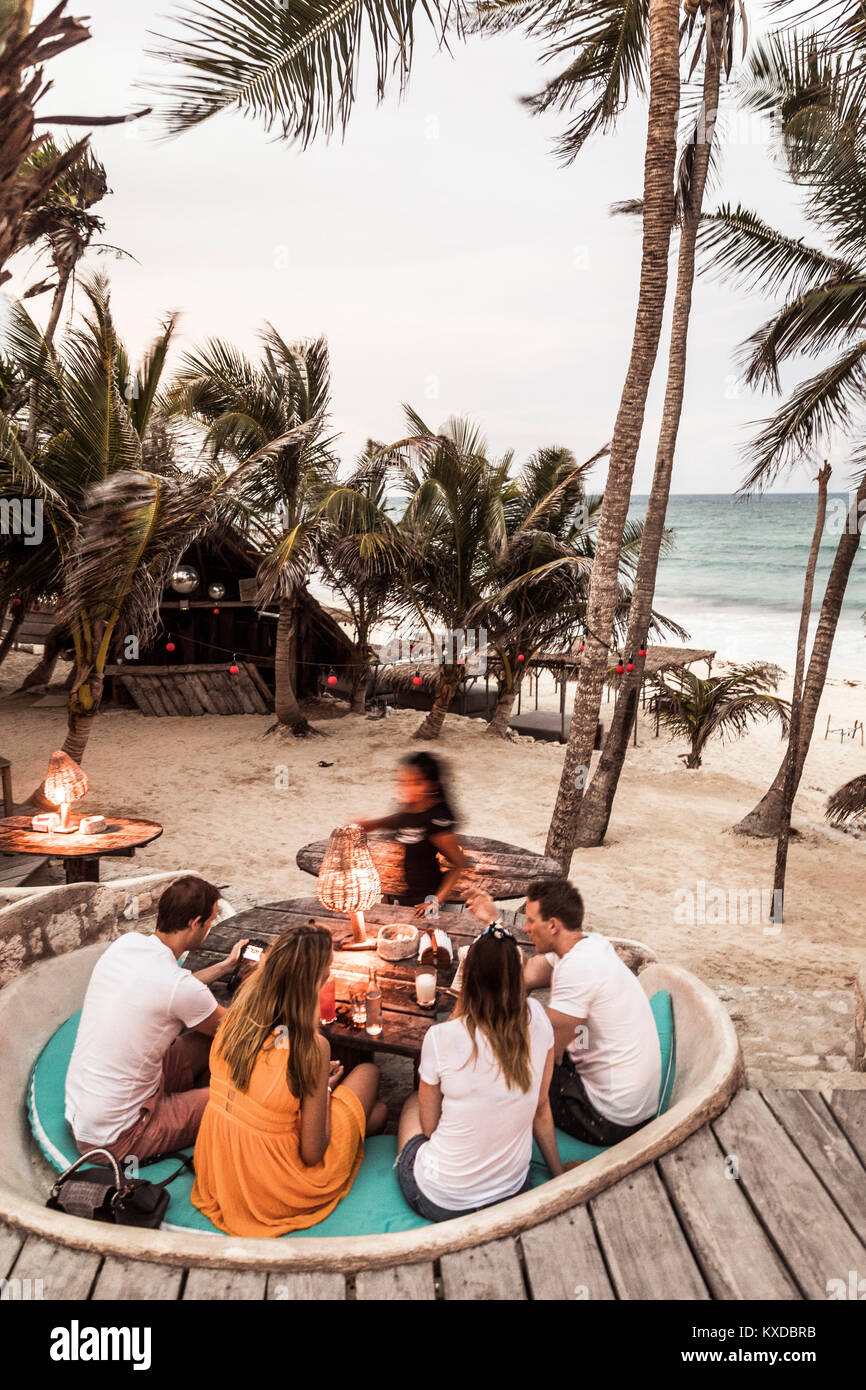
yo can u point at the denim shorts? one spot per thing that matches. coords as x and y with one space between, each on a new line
405 1169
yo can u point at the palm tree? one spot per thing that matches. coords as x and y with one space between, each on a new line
118 514
268 420
362 553
23 51
848 803
716 42
725 705
610 43
790 788
455 511
63 221
823 107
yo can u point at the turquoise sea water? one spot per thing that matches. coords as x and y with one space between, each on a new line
735 576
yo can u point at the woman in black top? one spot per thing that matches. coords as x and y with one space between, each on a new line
424 826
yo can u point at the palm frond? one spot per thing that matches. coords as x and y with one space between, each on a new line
848 803
292 66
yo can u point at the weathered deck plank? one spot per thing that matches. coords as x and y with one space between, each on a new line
229 1285
10 1245
826 1149
489 1273
563 1260
137 1280
64 1273
303 1288
730 1245
849 1111
812 1236
646 1251
408 1283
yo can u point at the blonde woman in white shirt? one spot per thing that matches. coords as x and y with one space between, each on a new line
465 1137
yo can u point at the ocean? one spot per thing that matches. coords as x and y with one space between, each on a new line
734 579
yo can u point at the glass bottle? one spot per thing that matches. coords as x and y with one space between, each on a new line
374 1005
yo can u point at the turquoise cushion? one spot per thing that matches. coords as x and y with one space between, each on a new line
375 1204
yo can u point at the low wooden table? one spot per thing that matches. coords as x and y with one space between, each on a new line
404 1021
502 870
81 853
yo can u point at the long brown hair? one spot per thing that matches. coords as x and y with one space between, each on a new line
279 1006
493 1002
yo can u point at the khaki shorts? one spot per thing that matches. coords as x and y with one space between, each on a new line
170 1119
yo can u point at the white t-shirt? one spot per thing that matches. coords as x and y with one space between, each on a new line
617 1053
136 1004
480 1150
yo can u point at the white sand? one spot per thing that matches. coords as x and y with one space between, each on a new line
213 783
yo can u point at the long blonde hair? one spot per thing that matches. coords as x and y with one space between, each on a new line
493 1002
279 1006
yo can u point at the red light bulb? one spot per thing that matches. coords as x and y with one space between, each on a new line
234 669
169 646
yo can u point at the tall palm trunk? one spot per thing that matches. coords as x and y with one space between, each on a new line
659 169
286 705
797 699
498 726
765 819
448 686
595 808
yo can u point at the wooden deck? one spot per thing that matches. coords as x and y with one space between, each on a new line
767 1202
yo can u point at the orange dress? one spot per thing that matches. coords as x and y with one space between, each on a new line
250 1178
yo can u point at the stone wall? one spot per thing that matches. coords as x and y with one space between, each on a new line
53 921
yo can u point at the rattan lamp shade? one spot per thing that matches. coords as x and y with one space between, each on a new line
348 879
66 781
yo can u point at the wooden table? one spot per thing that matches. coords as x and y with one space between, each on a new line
404 1022
502 870
81 853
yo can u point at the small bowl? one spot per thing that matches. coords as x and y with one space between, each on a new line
397 941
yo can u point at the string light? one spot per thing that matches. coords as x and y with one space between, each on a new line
234 669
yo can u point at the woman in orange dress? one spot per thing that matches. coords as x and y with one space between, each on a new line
280 1141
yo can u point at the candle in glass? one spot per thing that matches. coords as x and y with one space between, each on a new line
425 990
328 1001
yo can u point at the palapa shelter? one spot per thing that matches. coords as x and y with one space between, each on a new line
214 653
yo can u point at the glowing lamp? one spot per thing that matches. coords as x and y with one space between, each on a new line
619 668
234 669
642 651
216 612
332 679
629 666
65 783
417 679
349 881
169 646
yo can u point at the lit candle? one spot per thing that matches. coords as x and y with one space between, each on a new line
425 990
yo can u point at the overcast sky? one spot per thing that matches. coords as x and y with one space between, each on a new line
449 259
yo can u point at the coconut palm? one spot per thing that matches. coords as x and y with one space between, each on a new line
455 499
698 709
267 420
848 803
715 42
823 148
63 220
117 514
362 553
539 571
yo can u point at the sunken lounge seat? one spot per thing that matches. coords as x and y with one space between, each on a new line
44 985
374 1205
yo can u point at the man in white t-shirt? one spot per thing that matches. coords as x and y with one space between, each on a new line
132 1081
607 1057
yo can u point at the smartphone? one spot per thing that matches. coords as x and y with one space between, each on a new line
252 952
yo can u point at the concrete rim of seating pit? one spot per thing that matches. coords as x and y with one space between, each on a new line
35 1003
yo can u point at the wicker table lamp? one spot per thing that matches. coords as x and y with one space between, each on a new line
349 882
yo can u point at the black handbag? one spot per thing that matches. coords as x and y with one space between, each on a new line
104 1193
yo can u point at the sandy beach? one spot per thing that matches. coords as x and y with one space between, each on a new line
671 873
